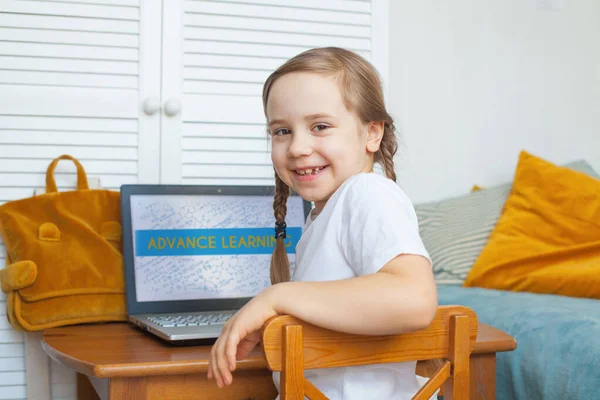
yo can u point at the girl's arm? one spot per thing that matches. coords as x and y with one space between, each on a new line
401 297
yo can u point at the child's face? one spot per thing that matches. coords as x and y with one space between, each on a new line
312 129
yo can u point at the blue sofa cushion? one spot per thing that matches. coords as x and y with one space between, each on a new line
558 341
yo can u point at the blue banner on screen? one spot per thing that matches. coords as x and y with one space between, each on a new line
205 242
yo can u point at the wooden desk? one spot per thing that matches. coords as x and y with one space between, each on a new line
139 366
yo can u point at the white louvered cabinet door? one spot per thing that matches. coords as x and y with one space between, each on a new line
216 57
73 77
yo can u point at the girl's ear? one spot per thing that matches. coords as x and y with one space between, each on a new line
374 135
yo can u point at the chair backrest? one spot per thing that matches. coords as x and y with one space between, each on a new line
291 345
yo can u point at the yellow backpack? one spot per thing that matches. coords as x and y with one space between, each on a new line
64 261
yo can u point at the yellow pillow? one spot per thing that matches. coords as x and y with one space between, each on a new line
547 239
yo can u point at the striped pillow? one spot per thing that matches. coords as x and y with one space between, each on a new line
455 230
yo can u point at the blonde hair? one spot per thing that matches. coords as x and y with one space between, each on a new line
362 93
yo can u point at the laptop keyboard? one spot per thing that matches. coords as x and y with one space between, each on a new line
191 319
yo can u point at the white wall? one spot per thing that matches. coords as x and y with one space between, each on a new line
472 82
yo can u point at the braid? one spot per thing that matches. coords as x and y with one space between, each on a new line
280 264
387 149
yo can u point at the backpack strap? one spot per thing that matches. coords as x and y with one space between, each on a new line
82 182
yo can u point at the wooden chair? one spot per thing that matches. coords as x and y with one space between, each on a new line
291 345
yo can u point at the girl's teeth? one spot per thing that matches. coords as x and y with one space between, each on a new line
310 171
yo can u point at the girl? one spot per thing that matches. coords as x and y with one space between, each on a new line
360 264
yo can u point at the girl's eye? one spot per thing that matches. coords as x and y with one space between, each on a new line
321 127
280 132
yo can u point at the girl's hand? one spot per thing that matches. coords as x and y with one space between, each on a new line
240 335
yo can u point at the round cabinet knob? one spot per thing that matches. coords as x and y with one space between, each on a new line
151 105
172 107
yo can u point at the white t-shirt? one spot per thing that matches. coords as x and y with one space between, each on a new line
366 223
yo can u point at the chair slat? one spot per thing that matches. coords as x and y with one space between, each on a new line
434 382
292 377
457 387
326 349
312 392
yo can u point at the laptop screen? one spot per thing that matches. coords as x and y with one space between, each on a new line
205 246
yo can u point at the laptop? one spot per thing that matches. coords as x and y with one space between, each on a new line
194 255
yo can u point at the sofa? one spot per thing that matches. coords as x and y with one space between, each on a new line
558 336
558 341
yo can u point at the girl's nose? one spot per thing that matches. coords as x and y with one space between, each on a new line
301 145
